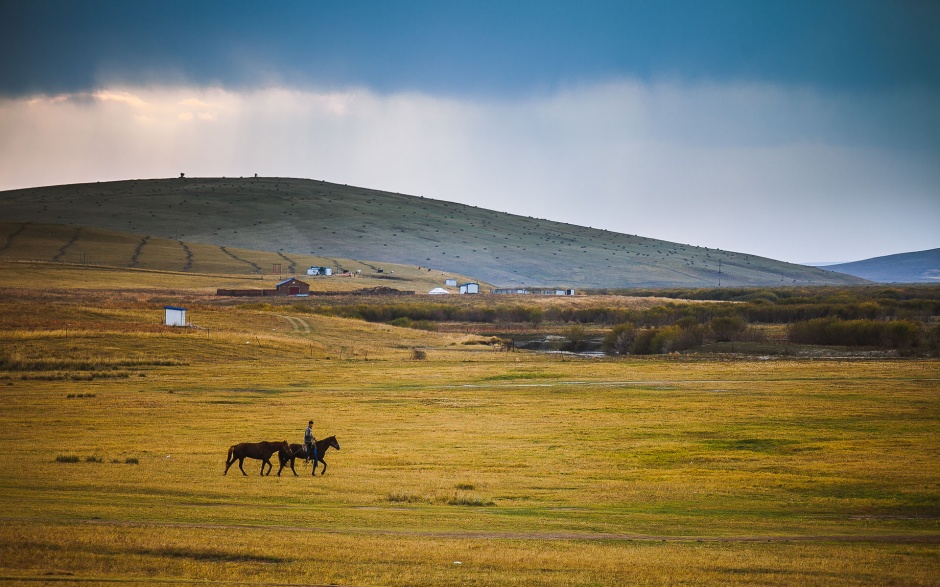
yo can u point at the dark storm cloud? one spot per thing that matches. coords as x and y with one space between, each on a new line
51 46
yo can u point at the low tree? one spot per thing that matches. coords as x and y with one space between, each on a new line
727 328
619 341
577 338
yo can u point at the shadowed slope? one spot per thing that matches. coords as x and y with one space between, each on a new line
917 267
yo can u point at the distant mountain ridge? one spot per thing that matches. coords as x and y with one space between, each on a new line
915 267
311 217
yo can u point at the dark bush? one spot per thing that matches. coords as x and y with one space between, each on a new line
642 342
727 328
576 338
897 334
619 341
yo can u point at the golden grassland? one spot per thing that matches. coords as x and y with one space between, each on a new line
469 467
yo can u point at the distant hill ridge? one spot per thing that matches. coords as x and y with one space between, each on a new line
915 267
309 217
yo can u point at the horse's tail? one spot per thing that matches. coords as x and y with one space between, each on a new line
231 454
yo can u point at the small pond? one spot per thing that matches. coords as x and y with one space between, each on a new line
550 343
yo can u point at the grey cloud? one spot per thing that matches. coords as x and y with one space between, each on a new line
628 157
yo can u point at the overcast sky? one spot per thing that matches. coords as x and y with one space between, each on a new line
805 131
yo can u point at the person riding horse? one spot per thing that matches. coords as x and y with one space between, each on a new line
310 443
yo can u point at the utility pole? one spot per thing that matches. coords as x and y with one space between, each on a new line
719 272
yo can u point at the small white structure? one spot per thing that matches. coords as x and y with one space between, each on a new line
450 282
175 316
320 271
470 288
438 291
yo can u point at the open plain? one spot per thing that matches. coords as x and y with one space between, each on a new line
458 465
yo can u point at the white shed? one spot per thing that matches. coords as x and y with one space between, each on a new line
470 288
175 316
450 282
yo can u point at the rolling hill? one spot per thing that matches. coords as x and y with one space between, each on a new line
221 267
917 267
325 220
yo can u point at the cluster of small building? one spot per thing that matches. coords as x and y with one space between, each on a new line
474 288
536 292
464 288
176 316
295 287
288 287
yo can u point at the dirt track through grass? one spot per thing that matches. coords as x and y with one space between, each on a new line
298 324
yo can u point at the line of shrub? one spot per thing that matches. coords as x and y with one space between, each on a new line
881 317
896 334
668 313
432 312
903 335
686 334
15 362
405 322
789 295
94 459
72 376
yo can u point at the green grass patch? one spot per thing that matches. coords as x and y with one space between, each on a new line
519 376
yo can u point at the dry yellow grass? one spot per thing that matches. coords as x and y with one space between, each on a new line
525 469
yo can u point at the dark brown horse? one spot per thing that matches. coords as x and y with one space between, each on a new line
254 450
298 450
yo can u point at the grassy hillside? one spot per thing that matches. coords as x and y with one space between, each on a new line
918 267
218 266
307 217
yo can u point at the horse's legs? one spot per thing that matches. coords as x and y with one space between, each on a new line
292 467
323 472
229 459
263 463
240 461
